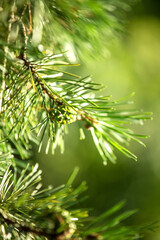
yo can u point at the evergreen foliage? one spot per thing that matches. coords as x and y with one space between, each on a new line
39 96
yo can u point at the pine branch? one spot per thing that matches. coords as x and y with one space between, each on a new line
24 206
63 100
38 96
77 21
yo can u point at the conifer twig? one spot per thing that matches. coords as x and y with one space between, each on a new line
27 229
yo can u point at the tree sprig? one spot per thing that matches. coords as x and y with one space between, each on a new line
43 101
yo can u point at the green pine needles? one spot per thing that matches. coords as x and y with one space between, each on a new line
27 212
43 98
39 97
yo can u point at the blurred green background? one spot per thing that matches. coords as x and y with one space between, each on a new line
132 65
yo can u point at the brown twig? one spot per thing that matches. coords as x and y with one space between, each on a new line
27 229
29 30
